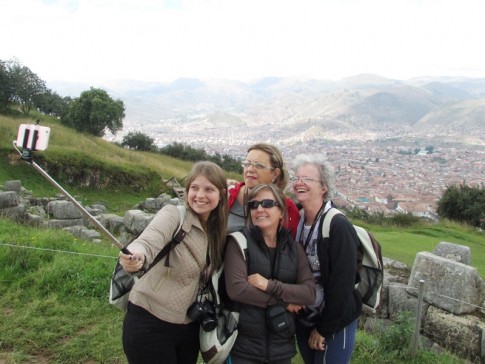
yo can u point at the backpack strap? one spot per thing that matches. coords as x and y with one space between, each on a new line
327 219
242 242
177 237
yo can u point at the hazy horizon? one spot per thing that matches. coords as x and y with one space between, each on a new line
93 42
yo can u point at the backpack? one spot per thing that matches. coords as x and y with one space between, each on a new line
122 282
371 270
216 345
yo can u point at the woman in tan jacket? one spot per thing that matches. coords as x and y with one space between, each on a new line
156 328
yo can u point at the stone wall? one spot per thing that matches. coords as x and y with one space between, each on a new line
58 212
453 300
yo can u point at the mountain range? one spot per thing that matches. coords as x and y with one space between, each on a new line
363 107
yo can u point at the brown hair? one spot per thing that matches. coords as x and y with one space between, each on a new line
217 221
279 197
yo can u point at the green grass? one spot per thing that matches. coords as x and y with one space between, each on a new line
404 243
54 303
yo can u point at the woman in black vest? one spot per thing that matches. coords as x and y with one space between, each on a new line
271 282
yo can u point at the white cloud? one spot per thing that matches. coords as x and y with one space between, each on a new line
92 41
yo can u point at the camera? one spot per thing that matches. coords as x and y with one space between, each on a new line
203 312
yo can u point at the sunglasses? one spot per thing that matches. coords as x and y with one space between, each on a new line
253 204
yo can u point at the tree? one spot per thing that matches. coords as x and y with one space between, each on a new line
26 85
138 141
51 103
5 87
463 203
94 112
186 152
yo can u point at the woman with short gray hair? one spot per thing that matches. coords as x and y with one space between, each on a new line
326 329
324 168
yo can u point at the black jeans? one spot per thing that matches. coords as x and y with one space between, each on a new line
147 339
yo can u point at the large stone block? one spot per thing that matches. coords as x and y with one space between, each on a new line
89 234
8 199
62 223
458 253
459 334
153 204
15 186
400 300
100 207
136 221
115 224
17 212
33 220
450 285
61 210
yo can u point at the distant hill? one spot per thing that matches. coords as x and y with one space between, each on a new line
361 108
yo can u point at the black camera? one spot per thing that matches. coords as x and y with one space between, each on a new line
205 313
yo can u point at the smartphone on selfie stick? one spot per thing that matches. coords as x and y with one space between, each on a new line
33 137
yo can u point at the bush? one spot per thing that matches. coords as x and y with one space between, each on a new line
138 141
404 220
463 203
186 152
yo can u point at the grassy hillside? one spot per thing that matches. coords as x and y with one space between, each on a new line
75 160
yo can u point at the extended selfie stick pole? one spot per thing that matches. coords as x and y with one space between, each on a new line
27 156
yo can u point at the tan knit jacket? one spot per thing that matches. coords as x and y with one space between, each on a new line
167 296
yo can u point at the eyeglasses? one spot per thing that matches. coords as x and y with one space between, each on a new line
255 165
305 180
253 204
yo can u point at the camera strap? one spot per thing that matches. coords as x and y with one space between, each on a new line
205 280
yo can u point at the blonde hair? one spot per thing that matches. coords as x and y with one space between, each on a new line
217 221
276 161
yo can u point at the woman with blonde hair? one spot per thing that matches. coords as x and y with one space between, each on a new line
263 164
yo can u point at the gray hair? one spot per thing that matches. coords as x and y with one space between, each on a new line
324 168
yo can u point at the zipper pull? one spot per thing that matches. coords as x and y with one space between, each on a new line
167 274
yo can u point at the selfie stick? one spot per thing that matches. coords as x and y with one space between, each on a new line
27 156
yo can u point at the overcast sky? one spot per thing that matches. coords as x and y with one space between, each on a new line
91 41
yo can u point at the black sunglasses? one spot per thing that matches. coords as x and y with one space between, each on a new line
253 204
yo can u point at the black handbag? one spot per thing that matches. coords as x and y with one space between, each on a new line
277 318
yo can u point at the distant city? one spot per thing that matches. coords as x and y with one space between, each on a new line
377 176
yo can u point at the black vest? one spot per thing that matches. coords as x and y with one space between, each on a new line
255 340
